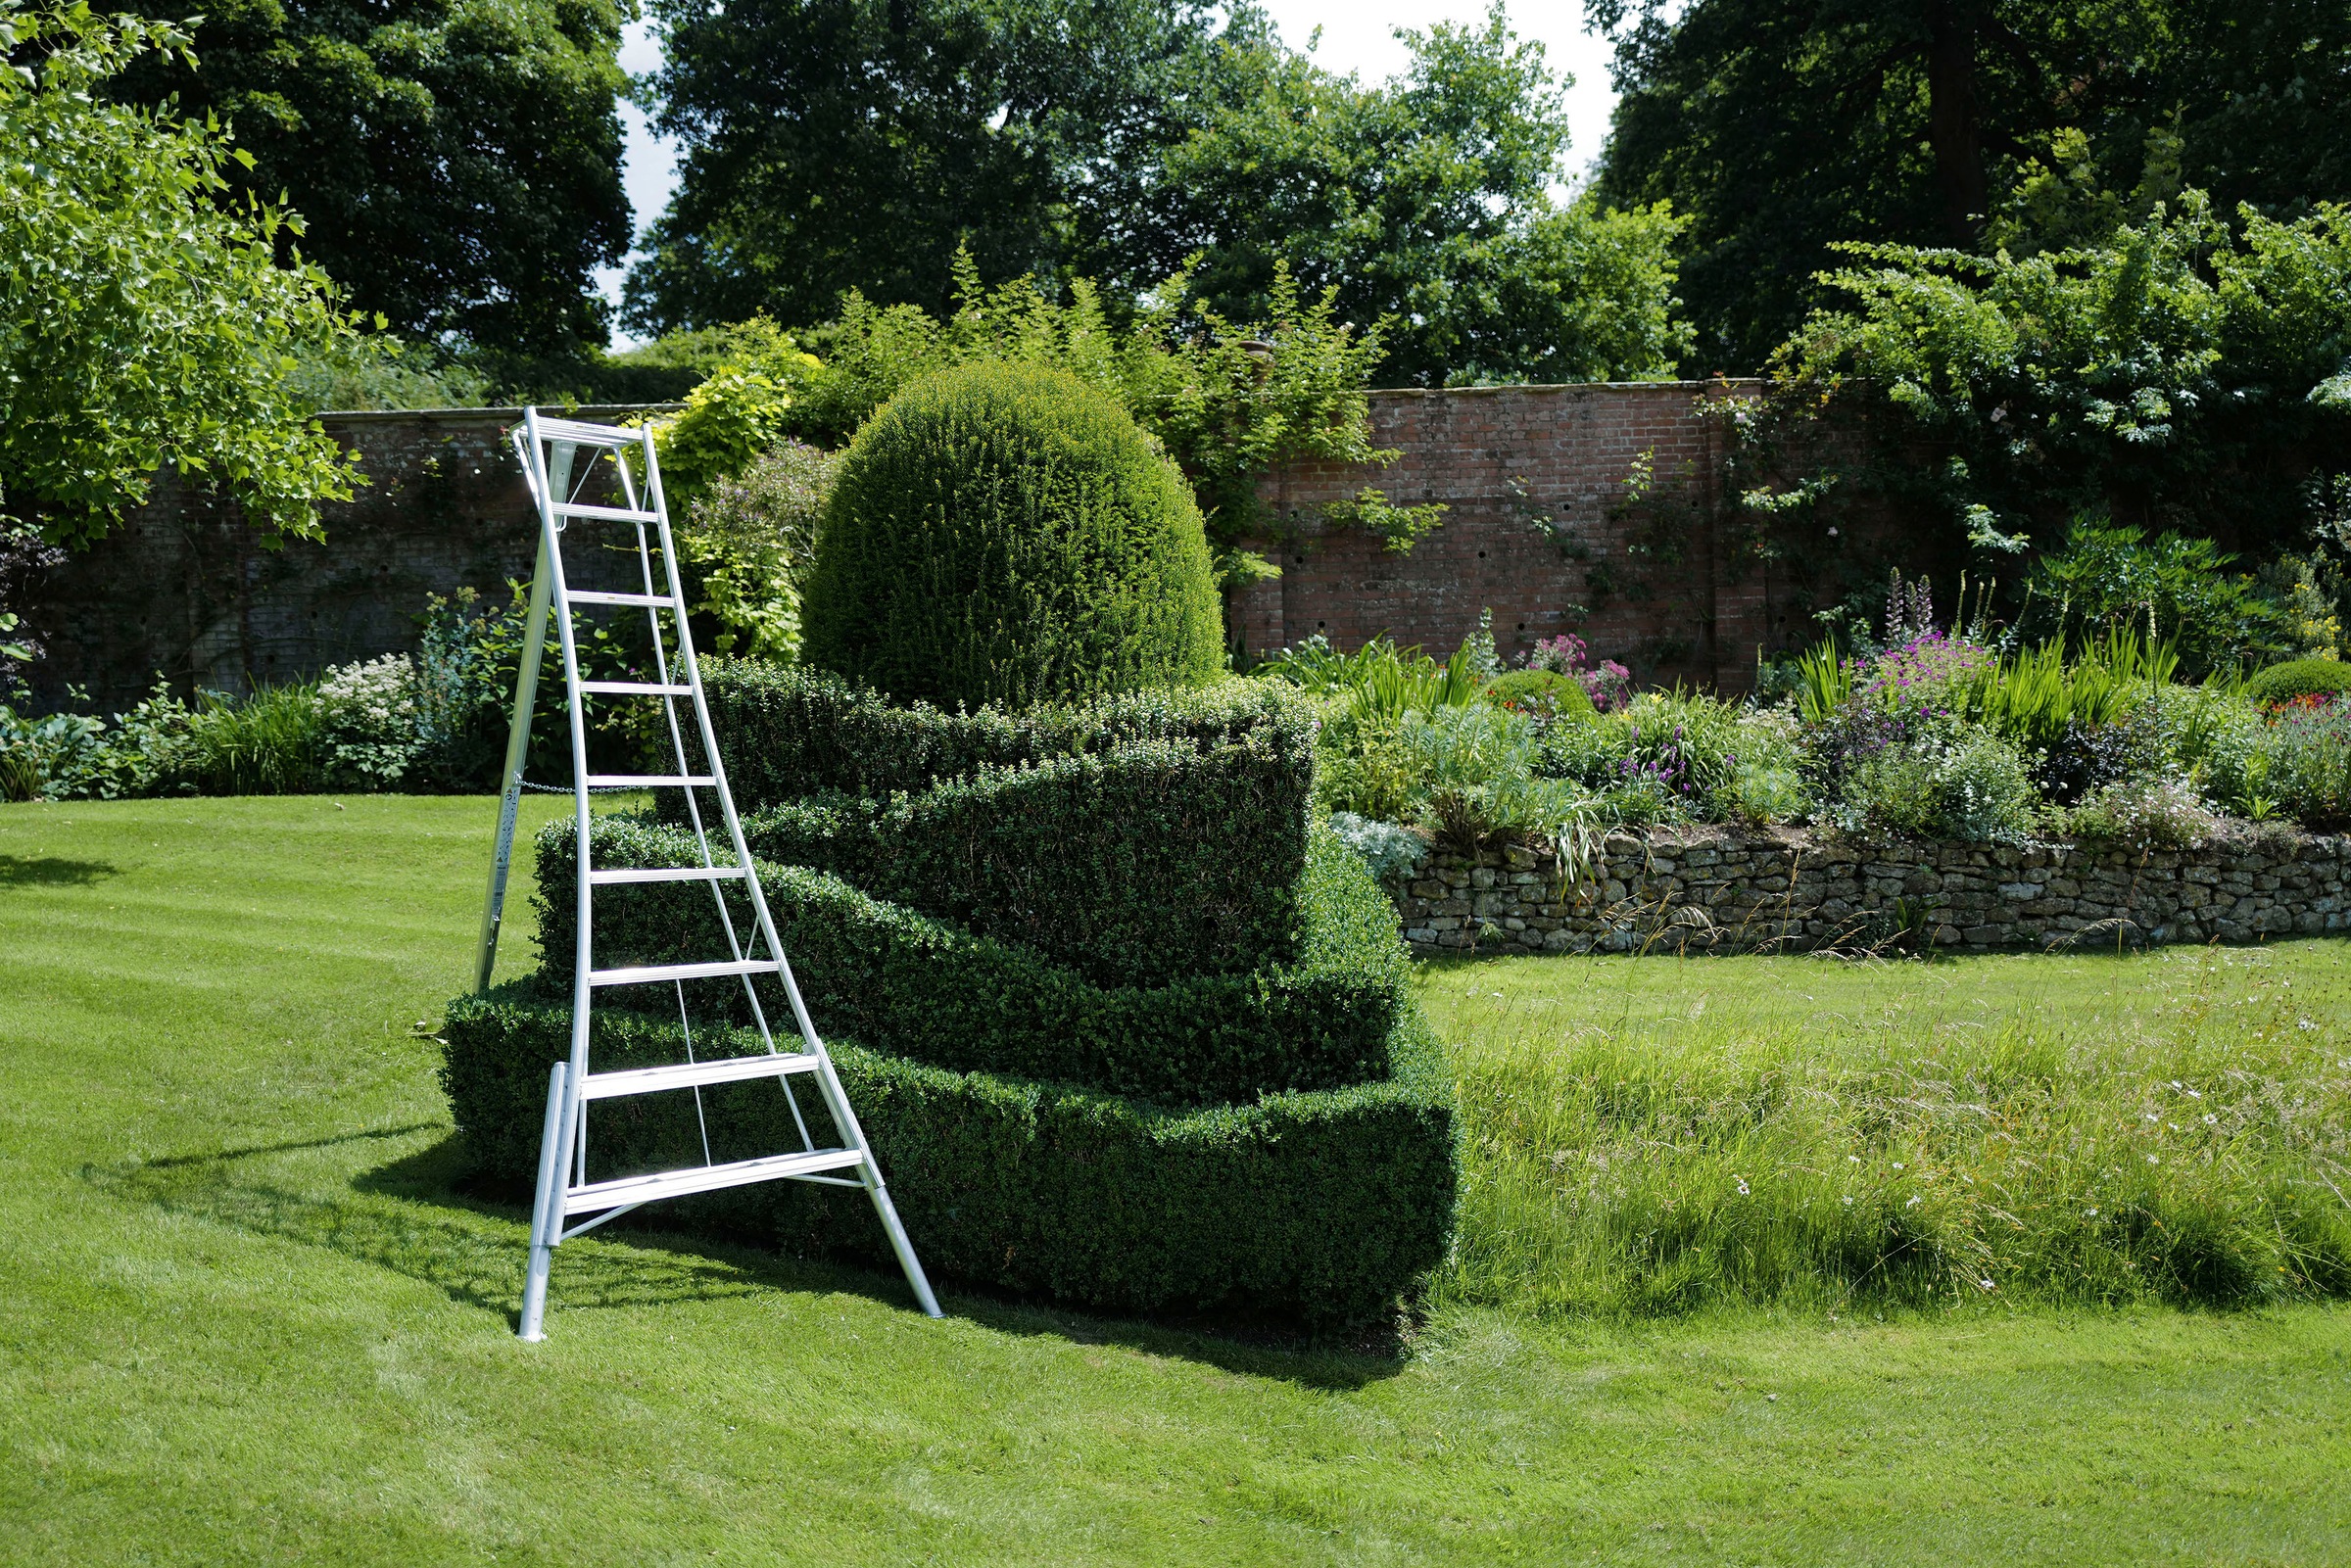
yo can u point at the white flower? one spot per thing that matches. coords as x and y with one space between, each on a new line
1742 1185
2152 1160
2091 1212
1846 1200
2305 1024
1913 1203
2211 1120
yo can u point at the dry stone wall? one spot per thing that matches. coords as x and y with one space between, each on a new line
1724 889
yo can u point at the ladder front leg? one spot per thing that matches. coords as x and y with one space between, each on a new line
898 1243
547 1207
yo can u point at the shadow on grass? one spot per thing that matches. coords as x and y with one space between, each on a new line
420 1216
51 871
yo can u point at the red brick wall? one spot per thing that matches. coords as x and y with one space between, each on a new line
185 589
1533 479
1536 530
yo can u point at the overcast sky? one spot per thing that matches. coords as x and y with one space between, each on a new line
1357 35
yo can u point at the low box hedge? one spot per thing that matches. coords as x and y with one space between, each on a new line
923 989
1324 1206
787 731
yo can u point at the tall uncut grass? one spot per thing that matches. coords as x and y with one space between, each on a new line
2173 1128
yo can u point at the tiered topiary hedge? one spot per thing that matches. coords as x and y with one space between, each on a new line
1126 1031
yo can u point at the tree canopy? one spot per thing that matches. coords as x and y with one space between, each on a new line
840 144
845 144
1427 200
458 161
144 321
1780 128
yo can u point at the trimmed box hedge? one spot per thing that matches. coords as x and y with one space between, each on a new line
923 989
788 731
1327 1206
1134 866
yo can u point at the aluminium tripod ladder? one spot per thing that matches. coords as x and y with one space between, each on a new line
548 449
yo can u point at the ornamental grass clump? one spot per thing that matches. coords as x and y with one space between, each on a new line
1005 534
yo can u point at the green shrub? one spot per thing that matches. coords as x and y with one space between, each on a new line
748 541
1326 1204
1542 695
1969 786
2301 763
1005 534
2298 677
1673 757
789 732
1475 778
924 989
273 742
2145 814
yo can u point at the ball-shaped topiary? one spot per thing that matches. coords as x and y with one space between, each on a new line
1005 534
2299 678
1544 693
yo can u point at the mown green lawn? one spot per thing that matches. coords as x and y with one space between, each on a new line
245 1315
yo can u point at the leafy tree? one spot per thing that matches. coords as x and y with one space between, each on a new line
142 319
1424 203
2185 375
1780 128
839 144
458 159
1133 143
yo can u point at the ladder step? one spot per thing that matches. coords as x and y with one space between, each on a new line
663 873
608 515
647 780
689 1075
580 433
648 974
581 595
703 1178
636 688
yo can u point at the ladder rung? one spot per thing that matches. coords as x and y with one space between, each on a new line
637 688
687 1074
582 596
580 433
647 780
703 1178
645 974
662 874
608 515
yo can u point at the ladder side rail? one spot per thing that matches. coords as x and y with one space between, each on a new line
836 1100
677 744
518 743
583 947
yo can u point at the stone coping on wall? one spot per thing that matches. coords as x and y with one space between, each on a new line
1723 889
593 412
